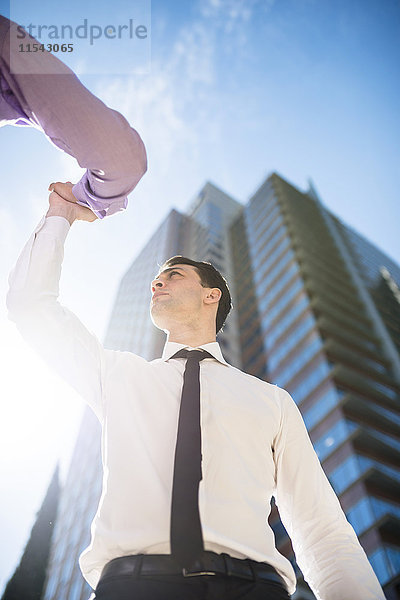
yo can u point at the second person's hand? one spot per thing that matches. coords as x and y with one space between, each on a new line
64 204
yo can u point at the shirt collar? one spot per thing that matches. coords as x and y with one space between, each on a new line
213 348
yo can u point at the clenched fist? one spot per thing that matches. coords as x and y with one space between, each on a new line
64 204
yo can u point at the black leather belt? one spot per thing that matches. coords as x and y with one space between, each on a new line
210 564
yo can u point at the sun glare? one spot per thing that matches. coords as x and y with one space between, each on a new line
39 411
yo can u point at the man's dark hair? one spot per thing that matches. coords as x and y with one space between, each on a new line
209 277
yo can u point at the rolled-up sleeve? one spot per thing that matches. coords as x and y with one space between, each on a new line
326 547
54 331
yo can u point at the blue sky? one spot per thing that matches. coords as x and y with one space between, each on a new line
236 90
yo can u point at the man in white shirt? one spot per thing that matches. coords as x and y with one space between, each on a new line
254 445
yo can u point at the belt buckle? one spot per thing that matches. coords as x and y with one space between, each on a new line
189 573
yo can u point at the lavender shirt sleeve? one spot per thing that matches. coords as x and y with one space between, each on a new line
52 98
101 207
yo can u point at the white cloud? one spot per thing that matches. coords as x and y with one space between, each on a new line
68 170
176 109
181 109
233 14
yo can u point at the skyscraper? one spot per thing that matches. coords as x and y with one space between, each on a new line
77 508
328 327
318 313
27 582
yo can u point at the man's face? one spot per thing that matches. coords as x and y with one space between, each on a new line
177 296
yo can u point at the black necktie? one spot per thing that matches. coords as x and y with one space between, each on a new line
186 534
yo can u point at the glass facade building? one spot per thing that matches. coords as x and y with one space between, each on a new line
317 311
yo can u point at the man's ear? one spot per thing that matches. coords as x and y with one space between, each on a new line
213 295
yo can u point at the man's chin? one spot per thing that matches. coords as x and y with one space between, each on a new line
158 319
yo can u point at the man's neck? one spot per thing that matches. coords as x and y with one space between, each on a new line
194 340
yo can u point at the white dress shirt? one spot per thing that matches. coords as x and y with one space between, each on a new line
254 446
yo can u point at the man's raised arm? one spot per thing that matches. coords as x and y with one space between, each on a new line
54 331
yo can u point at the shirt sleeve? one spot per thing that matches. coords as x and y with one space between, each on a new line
121 153
77 121
326 547
53 330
